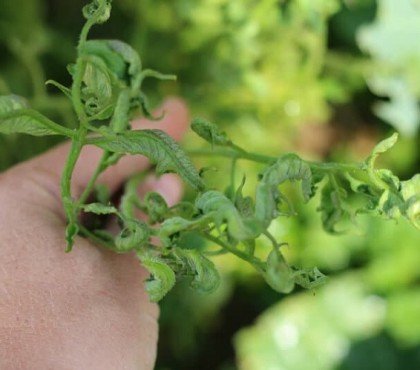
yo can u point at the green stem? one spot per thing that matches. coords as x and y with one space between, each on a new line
102 166
89 24
336 167
264 159
88 234
233 154
219 252
252 260
85 31
69 168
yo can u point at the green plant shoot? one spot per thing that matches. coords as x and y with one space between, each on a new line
107 92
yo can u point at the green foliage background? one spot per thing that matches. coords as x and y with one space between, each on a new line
325 78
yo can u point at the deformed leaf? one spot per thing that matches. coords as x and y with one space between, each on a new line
209 132
382 147
128 54
309 279
245 205
206 278
215 204
100 10
290 167
100 49
410 190
173 225
98 93
156 145
278 273
156 206
162 278
134 235
332 207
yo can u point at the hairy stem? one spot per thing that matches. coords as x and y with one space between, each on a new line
102 166
264 159
244 256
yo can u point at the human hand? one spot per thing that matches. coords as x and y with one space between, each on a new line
86 309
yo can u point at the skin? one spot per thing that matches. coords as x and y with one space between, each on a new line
86 309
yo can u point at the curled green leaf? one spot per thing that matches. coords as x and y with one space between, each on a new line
309 279
99 93
288 167
128 55
221 209
162 277
156 206
134 235
98 10
278 273
205 276
171 227
382 147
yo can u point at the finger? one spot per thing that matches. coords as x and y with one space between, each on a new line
47 168
168 185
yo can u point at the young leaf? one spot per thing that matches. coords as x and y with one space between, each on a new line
100 91
98 10
159 147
